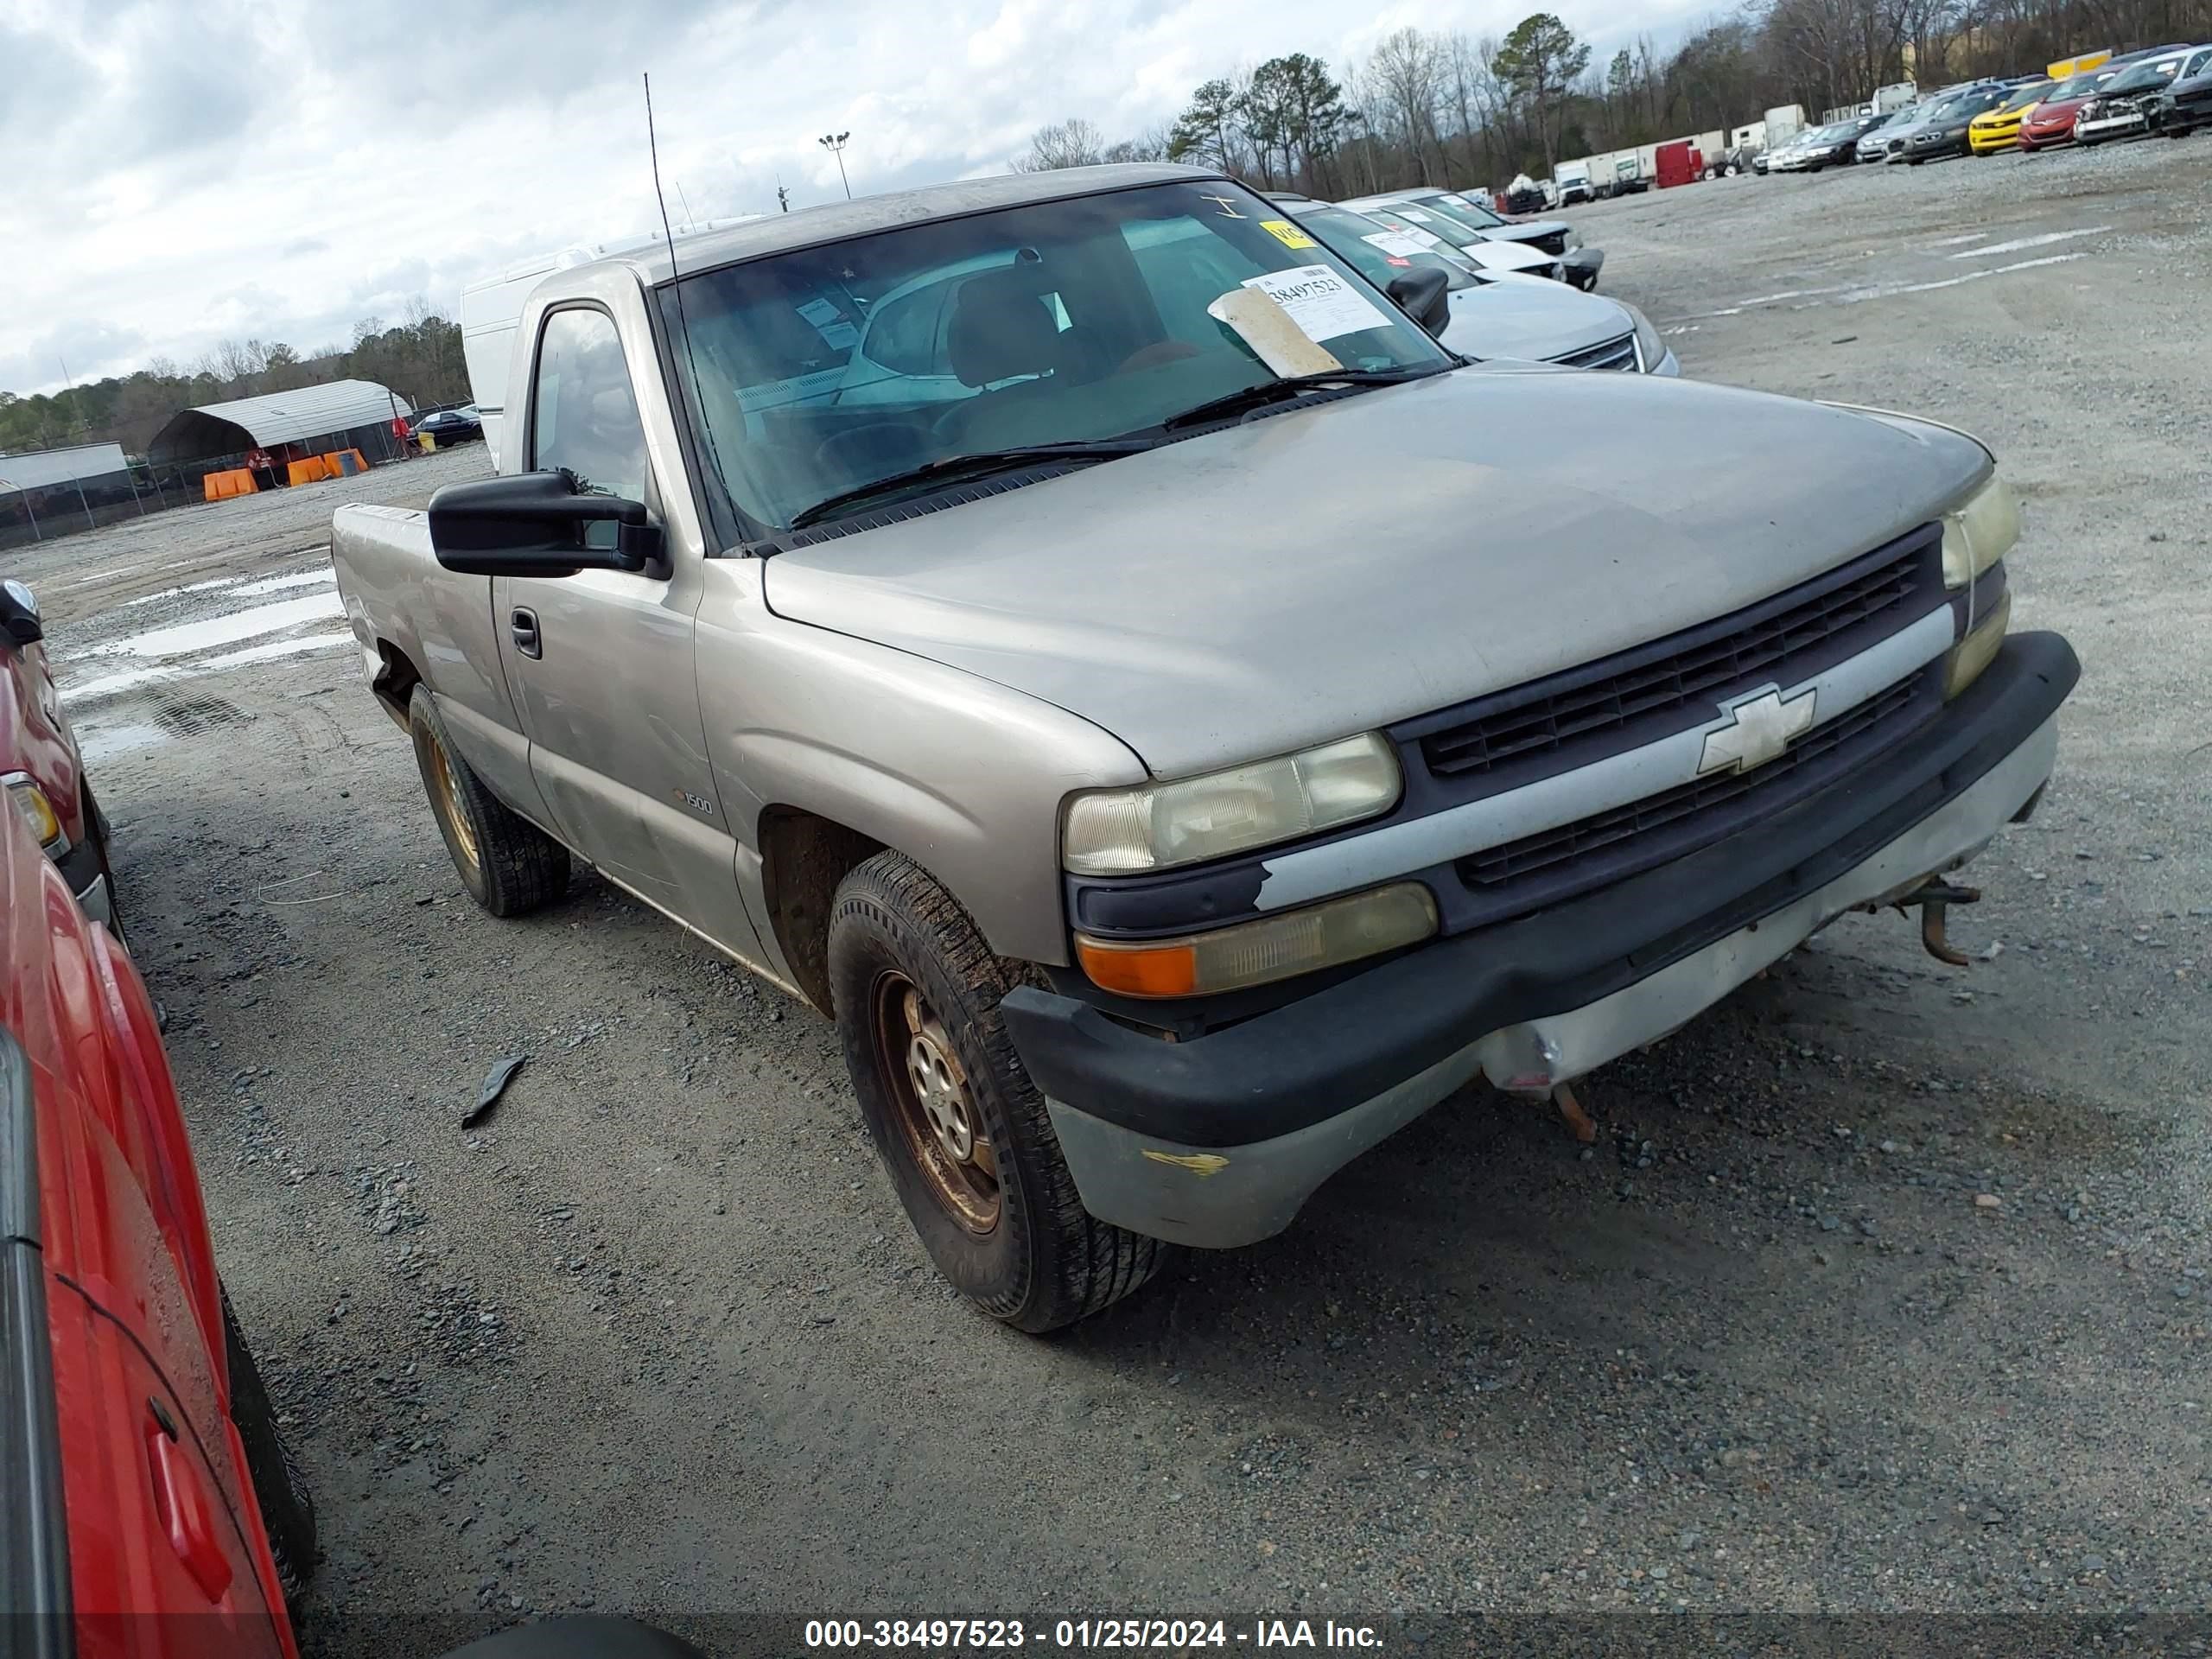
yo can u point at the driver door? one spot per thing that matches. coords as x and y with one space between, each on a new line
601 664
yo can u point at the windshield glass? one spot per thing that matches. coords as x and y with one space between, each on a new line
1376 250
2080 86
821 370
1442 219
2144 75
1470 209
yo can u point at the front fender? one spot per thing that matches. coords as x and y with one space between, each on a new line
964 775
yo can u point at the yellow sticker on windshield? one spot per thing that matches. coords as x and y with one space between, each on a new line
1287 233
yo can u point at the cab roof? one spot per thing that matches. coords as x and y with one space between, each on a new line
839 221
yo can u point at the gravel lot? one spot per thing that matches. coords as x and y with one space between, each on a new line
1885 1290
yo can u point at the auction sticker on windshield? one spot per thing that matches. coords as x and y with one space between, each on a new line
1287 233
1320 302
1401 243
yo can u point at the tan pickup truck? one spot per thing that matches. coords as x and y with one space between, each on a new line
1179 720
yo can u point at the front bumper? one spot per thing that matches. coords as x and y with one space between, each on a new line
2101 128
1989 141
1582 266
1220 1140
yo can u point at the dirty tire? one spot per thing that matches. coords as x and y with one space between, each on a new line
287 1507
508 864
1045 1261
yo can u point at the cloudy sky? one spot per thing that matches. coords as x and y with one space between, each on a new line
178 173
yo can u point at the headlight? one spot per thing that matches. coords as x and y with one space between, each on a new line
1257 953
1975 653
1650 350
38 811
1978 534
1159 826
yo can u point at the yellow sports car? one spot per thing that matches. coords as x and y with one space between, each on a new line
1999 129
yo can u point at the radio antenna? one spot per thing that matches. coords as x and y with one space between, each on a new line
676 282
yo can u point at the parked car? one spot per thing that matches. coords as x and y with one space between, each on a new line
130 1391
1494 316
1834 145
1941 133
152 1507
2122 108
1873 145
1230 731
1998 128
1475 221
2051 123
1516 258
40 764
2183 106
449 426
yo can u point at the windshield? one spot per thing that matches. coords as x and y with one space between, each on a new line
822 369
1470 209
1441 219
2080 86
1376 250
2145 75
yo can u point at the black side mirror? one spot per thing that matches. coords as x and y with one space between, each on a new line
537 525
1424 294
19 613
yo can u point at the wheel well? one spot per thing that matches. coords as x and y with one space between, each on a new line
396 680
802 858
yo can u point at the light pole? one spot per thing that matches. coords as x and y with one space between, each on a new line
835 143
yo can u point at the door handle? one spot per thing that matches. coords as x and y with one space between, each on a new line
524 623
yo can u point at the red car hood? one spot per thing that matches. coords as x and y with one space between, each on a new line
2056 118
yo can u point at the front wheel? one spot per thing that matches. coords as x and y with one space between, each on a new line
962 1132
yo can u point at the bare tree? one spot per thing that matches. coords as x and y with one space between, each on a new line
1407 66
1072 142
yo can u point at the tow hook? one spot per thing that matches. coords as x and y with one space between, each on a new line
1934 898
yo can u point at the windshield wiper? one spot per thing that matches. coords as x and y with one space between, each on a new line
977 463
1267 391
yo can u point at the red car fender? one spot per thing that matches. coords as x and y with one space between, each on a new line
35 735
161 1516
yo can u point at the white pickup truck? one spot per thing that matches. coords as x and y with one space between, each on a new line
1179 720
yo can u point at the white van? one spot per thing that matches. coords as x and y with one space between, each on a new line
492 308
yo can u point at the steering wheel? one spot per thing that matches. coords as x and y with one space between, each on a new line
1160 351
833 451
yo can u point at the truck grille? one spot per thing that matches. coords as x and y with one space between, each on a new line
1676 821
1608 355
1635 696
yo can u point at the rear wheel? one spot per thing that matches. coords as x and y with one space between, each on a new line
962 1132
508 864
279 1489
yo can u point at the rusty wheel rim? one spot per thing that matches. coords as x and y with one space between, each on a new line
448 802
935 1107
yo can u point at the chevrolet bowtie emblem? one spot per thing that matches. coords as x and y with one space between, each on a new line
1757 731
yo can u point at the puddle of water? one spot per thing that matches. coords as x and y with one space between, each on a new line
98 743
322 578
2022 242
232 626
108 685
275 648
189 588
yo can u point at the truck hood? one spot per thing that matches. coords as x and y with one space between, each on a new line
1532 318
1348 564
